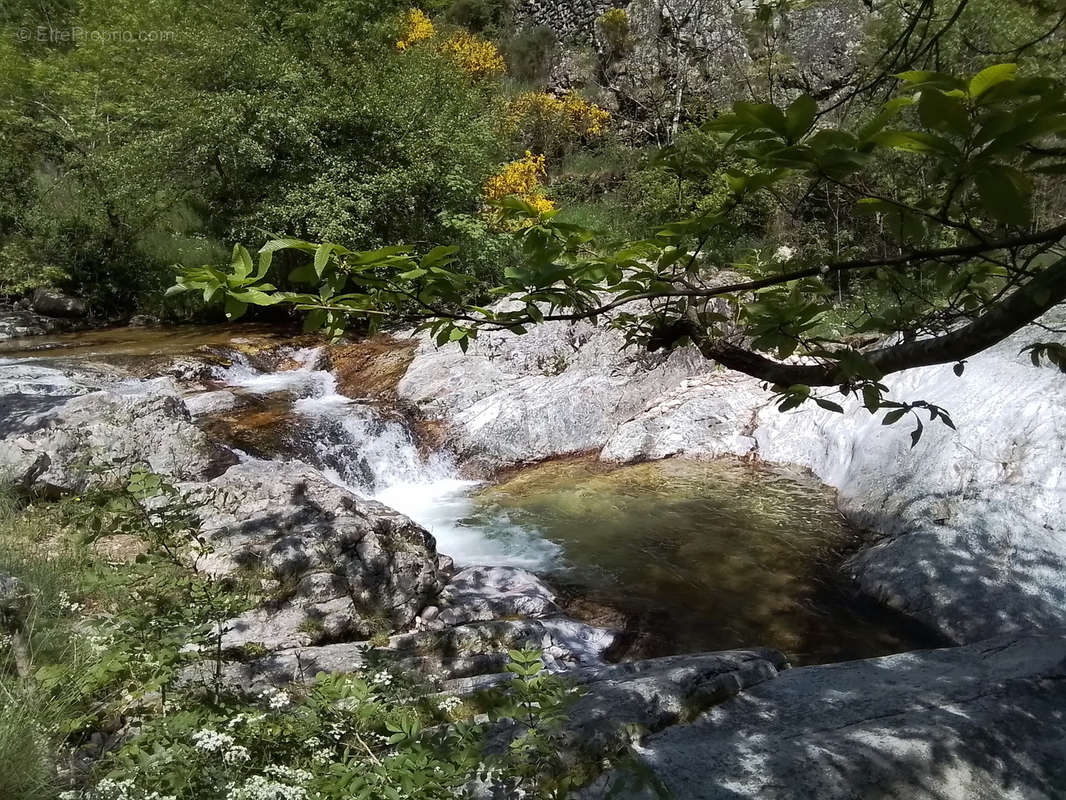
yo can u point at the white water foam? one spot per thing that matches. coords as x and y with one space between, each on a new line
358 447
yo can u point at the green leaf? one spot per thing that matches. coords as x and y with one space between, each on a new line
235 308
892 417
799 116
915 142
992 76
763 115
943 113
1004 193
439 256
322 256
241 262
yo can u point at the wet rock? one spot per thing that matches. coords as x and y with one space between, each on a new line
51 303
950 724
483 593
371 368
143 321
51 445
213 402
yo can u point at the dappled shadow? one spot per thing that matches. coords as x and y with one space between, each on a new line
984 720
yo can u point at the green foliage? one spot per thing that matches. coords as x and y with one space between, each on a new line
123 158
107 641
530 53
955 239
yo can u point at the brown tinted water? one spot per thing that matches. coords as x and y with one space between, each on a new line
127 342
702 556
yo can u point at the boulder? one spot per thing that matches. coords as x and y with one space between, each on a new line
352 567
954 724
973 519
708 415
53 444
51 303
561 388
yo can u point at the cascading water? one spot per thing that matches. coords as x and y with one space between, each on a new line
359 446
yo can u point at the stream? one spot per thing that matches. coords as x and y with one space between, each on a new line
685 556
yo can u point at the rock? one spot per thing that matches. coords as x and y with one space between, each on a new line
954 724
51 445
461 652
559 389
15 600
288 519
51 303
974 519
371 368
483 593
709 415
213 402
16 323
144 321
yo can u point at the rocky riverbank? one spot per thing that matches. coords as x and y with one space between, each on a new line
973 545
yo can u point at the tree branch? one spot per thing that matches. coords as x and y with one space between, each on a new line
1025 305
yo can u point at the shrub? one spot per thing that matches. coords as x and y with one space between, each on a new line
415 27
477 57
480 15
521 178
613 25
530 54
553 125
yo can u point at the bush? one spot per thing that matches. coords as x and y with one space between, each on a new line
530 55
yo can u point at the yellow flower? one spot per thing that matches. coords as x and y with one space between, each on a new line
475 56
570 114
417 27
521 178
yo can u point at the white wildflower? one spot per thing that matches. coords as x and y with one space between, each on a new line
784 253
290 774
236 755
275 698
322 756
258 787
449 704
211 741
381 679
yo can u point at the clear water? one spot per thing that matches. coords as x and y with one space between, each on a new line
700 555
686 556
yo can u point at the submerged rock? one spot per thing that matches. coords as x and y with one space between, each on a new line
954 724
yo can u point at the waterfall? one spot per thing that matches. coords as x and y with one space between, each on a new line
374 453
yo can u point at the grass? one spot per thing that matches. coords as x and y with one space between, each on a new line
32 550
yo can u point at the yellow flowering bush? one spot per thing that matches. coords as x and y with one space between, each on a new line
570 113
523 179
474 55
416 27
614 26
551 125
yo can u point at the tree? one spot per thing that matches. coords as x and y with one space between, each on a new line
967 250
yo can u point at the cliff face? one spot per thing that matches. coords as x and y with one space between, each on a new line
681 56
